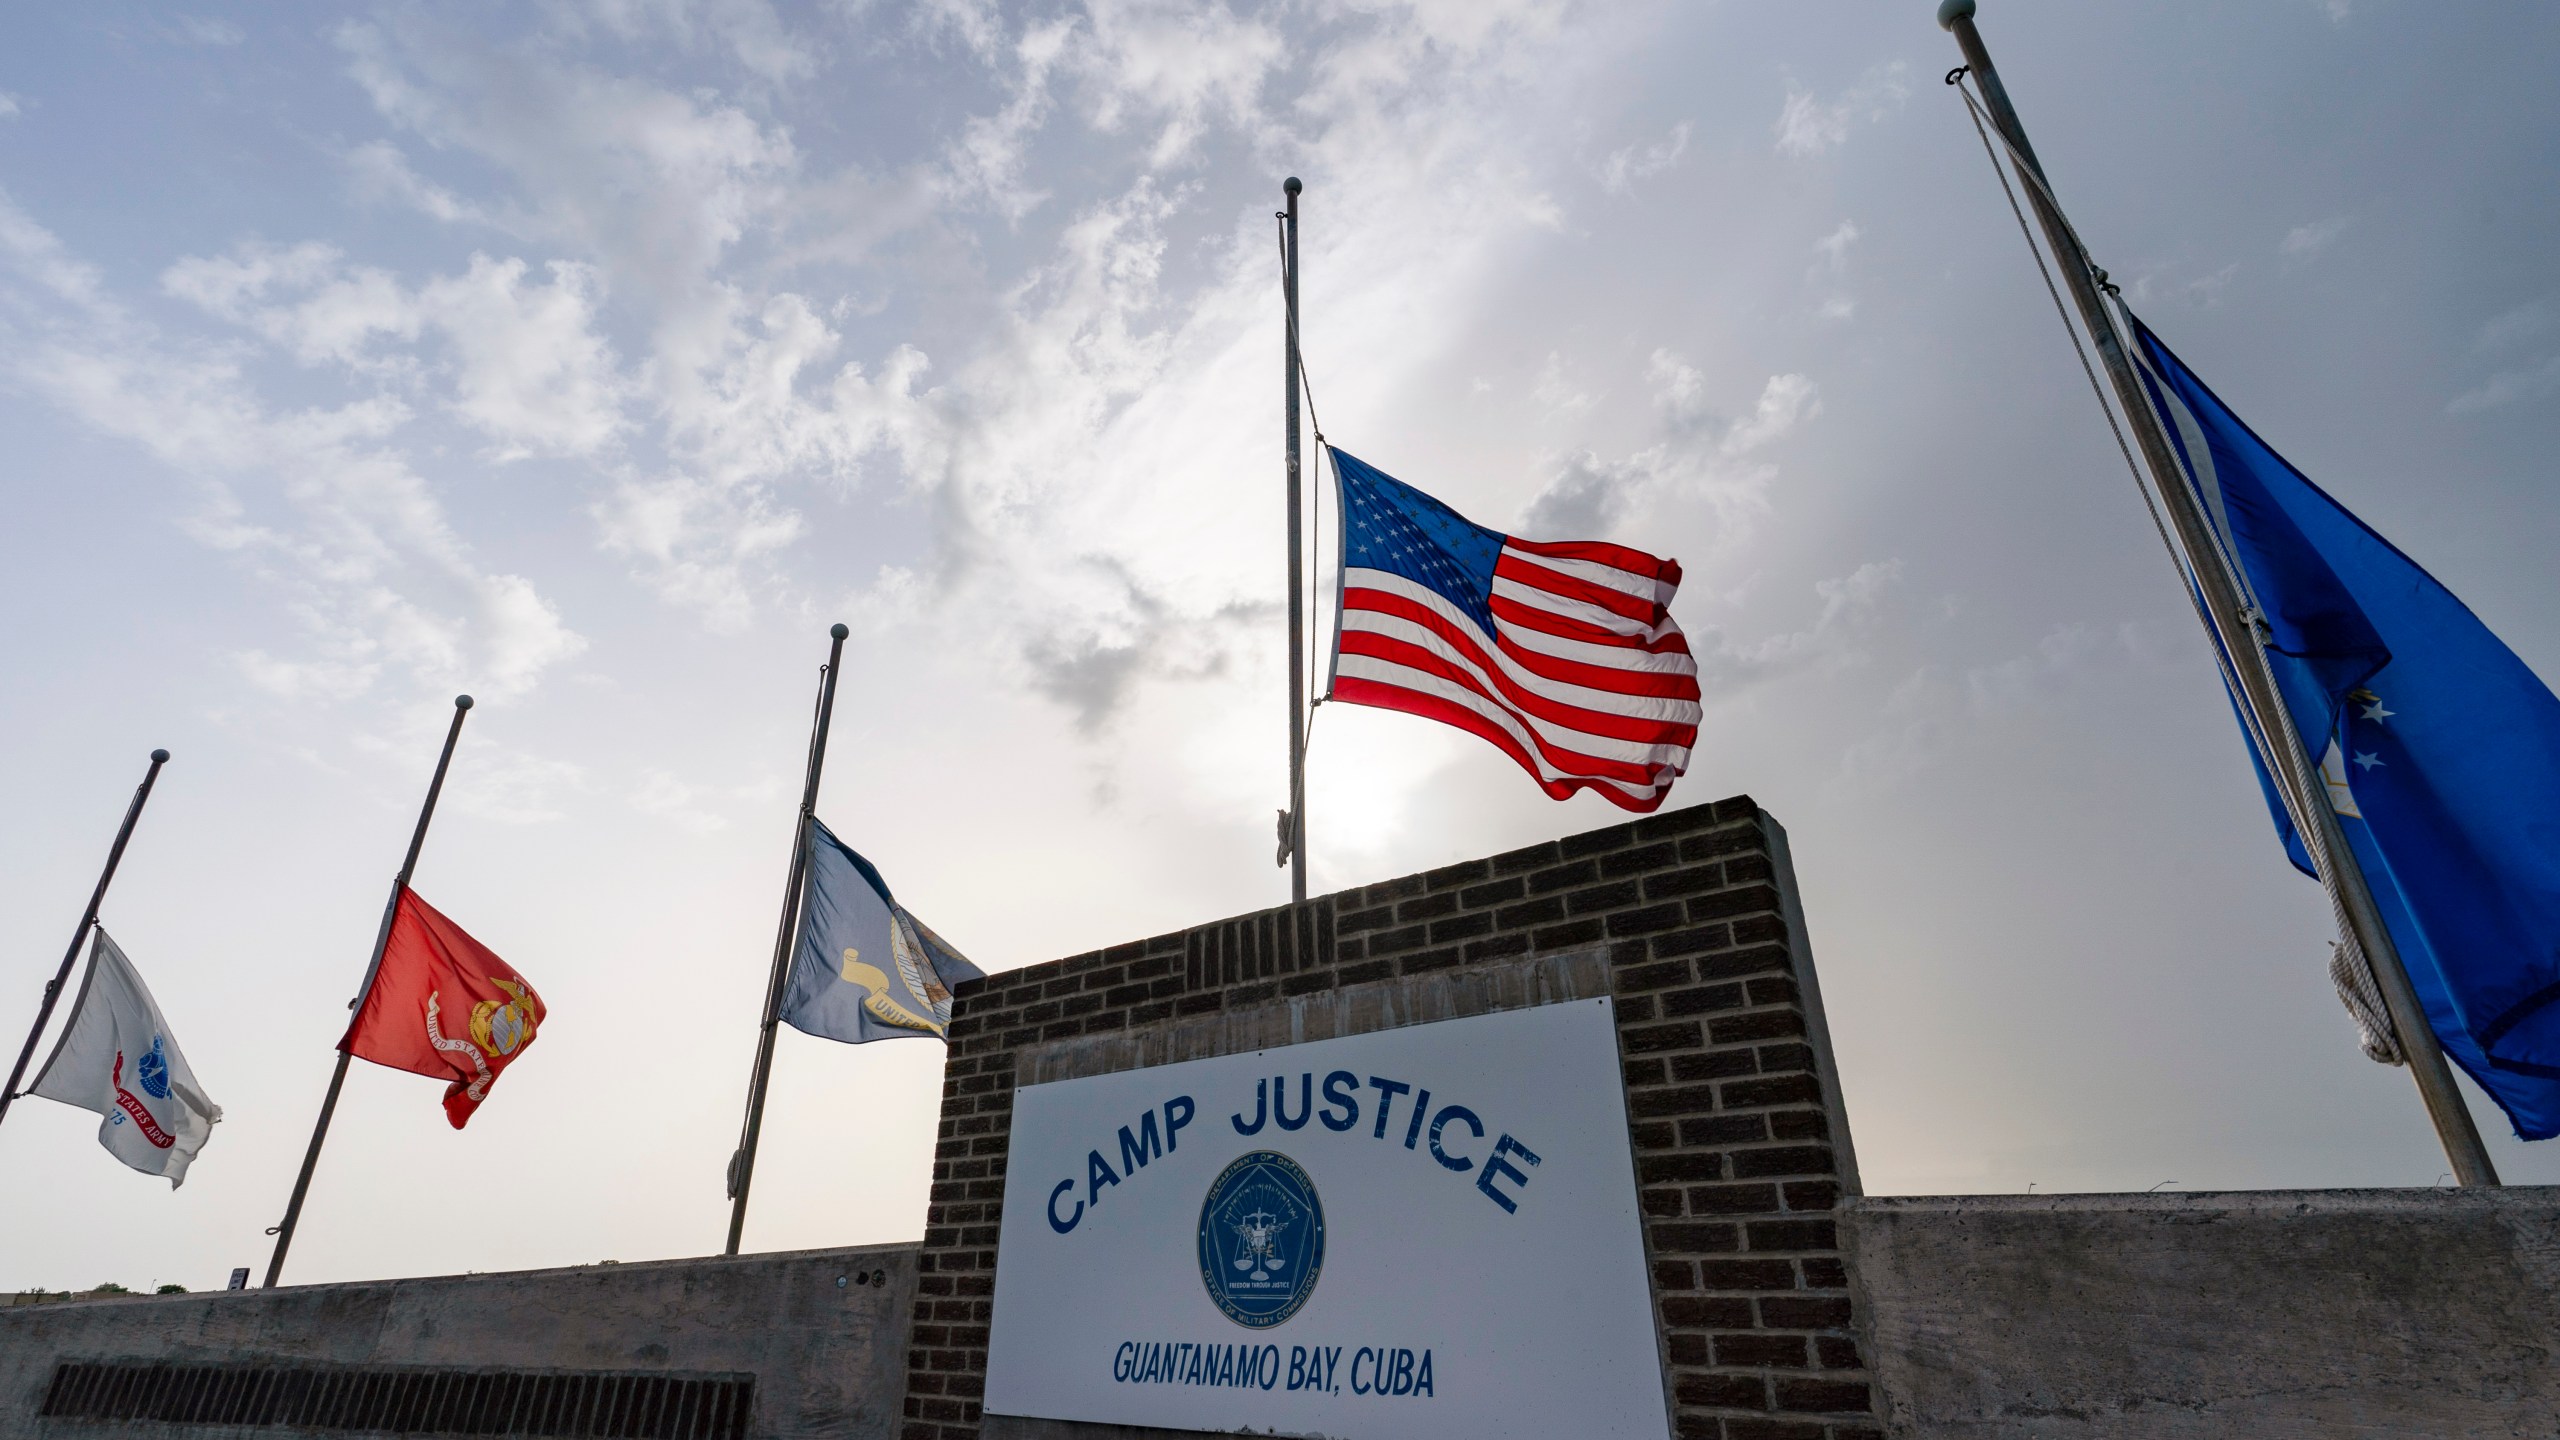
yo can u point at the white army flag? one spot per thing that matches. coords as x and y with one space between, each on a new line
117 1057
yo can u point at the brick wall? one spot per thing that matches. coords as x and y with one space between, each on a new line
1740 1142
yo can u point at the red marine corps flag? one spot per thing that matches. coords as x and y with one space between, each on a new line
442 1004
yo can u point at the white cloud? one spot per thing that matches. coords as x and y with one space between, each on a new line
299 681
1060 421
2204 291
1808 126
698 541
984 161
1846 613
1784 402
654 183
1555 389
2504 334
1619 173
534 374
1834 250
315 499
2061 656
698 808
750 31
2519 326
1677 385
1695 459
1938 708
382 175
8 106
770 408
1834 247
2305 243
338 313
1180 63
202 30
2509 386
527 366
514 787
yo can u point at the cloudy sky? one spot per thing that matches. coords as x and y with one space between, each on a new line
592 356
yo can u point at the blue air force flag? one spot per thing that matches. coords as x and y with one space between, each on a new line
117 1057
862 967
2441 749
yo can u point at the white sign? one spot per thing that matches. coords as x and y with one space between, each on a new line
1422 1232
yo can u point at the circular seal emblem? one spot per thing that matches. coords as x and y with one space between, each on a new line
1261 1239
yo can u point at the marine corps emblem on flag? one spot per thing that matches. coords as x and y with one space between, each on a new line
505 1029
444 1005
497 1032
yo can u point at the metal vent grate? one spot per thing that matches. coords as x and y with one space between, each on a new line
406 1401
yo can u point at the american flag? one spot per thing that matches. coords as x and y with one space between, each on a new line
1562 653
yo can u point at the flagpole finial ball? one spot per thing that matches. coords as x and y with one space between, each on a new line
461 702
1291 185
1951 11
837 631
159 757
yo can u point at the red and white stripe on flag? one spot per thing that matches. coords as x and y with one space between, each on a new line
1586 680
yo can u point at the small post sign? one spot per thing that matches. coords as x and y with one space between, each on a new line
1428 1231
239 1278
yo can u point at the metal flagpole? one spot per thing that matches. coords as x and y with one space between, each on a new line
381 940
1293 821
2241 636
88 917
742 1162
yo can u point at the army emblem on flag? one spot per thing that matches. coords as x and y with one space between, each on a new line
116 1057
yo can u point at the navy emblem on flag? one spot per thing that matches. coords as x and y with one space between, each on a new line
1261 1239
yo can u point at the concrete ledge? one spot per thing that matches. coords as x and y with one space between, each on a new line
2274 1314
829 1360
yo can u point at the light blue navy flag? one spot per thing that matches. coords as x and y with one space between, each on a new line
863 968
2441 749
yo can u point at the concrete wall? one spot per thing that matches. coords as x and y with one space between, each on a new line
2272 1314
829 1360
1740 1143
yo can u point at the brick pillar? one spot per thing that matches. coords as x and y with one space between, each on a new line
1739 1139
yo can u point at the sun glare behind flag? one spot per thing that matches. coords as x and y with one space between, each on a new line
1563 654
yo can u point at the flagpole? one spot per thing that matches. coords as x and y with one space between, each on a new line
742 1163
88 918
2242 638
382 938
1295 821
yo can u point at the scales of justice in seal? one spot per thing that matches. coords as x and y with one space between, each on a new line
1258 1244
